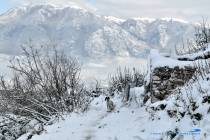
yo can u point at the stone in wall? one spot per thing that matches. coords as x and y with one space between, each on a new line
163 80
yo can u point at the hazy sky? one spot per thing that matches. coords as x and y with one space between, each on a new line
192 10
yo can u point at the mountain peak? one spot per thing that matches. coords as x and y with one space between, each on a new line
48 6
37 12
55 6
25 8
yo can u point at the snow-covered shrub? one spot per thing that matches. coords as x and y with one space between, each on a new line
199 43
95 89
119 81
123 81
43 85
202 36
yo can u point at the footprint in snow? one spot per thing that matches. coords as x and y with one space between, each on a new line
90 131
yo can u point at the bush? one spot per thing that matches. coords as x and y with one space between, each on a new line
200 41
43 85
119 81
95 89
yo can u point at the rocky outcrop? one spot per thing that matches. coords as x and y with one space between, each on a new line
163 80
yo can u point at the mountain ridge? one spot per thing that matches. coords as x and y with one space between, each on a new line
85 34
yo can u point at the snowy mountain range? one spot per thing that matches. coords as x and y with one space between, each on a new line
83 33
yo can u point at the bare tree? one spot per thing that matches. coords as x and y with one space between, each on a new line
44 84
200 43
202 36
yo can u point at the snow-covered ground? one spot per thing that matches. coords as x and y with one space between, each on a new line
125 123
128 122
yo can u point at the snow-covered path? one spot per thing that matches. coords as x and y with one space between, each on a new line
92 128
75 126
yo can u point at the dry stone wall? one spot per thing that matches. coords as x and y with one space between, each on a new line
163 80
